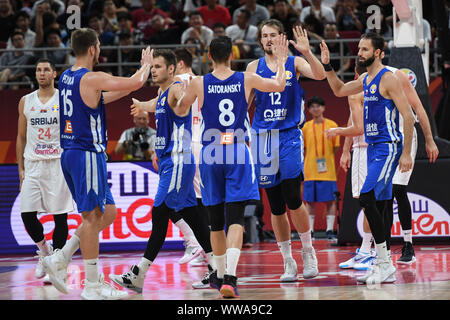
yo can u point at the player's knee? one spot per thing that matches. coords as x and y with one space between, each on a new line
293 200
399 192
216 217
235 213
367 199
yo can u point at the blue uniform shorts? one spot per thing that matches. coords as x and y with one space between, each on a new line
278 156
86 176
229 181
176 182
319 191
382 161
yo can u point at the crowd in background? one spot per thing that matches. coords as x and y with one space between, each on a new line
46 23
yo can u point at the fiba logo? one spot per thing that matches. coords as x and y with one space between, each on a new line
288 75
163 100
411 76
373 88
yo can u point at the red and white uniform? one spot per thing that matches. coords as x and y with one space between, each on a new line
44 188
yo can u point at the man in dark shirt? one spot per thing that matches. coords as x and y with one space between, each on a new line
6 20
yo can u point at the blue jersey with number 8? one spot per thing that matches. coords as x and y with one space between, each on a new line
81 127
224 110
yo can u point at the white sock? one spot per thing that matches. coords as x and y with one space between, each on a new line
43 247
233 255
330 222
311 222
210 259
91 269
71 247
366 242
143 266
382 251
305 237
187 231
221 265
407 236
286 249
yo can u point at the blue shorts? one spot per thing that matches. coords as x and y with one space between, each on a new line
382 161
176 182
229 181
319 191
86 176
278 156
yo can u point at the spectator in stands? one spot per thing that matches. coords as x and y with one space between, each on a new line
16 58
242 32
287 18
296 6
56 6
198 31
349 18
44 19
137 143
62 20
163 34
7 20
322 12
320 169
127 55
142 18
125 22
106 37
331 33
53 40
23 24
258 13
109 19
198 66
213 13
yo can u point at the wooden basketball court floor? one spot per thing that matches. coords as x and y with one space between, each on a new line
259 270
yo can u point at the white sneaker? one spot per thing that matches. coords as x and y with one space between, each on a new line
358 257
290 271
193 250
367 263
40 271
204 283
130 280
46 279
310 269
200 261
56 267
101 290
381 272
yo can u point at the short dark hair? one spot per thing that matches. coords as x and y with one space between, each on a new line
50 31
22 14
184 55
82 39
271 23
218 25
220 49
376 39
168 55
45 60
316 100
16 32
247 13
124 15
195 13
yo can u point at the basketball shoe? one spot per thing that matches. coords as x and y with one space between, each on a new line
193 250
358 257
408 255
132 279
290 271
101 290
56 267
310 269
40 270
229 287
204 283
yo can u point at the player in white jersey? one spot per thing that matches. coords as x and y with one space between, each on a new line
42 184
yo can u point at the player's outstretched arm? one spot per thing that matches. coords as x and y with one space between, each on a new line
277 84
340 89
355 127
414 101
187 97
311 67
138 106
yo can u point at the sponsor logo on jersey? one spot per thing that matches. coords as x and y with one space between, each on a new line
68 127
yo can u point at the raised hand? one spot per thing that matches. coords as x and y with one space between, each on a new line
147 56
324 53
301 40
281 49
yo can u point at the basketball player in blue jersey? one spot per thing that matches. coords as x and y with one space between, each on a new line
83 95
176 167
227 172
383 100
281 115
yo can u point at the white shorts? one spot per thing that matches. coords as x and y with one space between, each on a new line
44 188
359 170
196 149
402 178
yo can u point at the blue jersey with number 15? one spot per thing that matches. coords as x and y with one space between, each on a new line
81 127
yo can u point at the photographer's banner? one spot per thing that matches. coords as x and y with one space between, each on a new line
133 186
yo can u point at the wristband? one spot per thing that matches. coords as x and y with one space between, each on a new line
327 67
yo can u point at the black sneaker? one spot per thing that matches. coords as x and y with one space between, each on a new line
215 282
204 283
330 235
229 287
408 256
